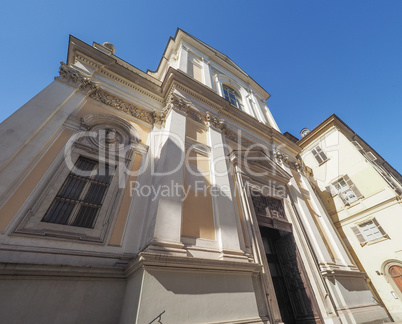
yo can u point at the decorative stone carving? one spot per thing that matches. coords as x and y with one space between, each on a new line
281 157
88 86
215 122
177 103
110 136
268 206
121 105
76 79
70 75
238 139
194 115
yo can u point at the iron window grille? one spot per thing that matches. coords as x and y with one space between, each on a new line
81 196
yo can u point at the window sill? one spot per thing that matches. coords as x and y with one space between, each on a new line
378 240
353 204
323 162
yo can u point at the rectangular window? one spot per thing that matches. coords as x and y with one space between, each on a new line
347 190
369 231
81 196
319 154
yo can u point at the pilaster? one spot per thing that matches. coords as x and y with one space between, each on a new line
169 177
183 60
206 71
227 227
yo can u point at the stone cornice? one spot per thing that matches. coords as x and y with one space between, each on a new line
179 80
82 51
122 105
93 91
130 77
149 260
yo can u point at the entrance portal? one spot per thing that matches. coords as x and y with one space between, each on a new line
294 297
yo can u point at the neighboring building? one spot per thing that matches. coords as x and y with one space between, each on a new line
362 194
168 196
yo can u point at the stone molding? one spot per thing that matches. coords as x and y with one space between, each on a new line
231 135
215 122
122 105
92 89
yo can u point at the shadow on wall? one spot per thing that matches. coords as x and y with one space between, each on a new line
200 282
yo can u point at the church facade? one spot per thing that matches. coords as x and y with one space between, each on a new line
166 196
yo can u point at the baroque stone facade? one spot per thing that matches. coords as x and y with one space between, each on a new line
167 196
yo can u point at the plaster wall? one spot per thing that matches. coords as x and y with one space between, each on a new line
61 300
203 297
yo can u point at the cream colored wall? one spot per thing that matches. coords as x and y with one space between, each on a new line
198 297
344 158
378 201
15 202
374 254
121 219
92 108
198 217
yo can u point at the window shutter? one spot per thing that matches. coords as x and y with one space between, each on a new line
359 235
317 156
352 186
344 199
321 153
357 145
380 228
331 190
371 156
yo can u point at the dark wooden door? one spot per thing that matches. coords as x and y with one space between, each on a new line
396 274
301 298
293 293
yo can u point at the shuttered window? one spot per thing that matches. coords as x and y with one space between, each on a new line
347 190
319 154
369 231
81 196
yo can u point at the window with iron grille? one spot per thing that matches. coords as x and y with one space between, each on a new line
232 96
319 154
81 196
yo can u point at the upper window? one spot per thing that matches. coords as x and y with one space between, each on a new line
232 96
81 196
319 155
347 190
369 231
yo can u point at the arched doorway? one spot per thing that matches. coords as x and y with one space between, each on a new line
396 274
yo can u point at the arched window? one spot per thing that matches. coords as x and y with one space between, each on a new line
396 274
232 96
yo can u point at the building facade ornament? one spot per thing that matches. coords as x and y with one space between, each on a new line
235 137
215 122
280 157
196 116
177 103
121 105
70 75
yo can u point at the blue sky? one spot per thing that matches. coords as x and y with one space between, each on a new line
315 57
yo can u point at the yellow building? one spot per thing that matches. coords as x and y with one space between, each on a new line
164 197
362 194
